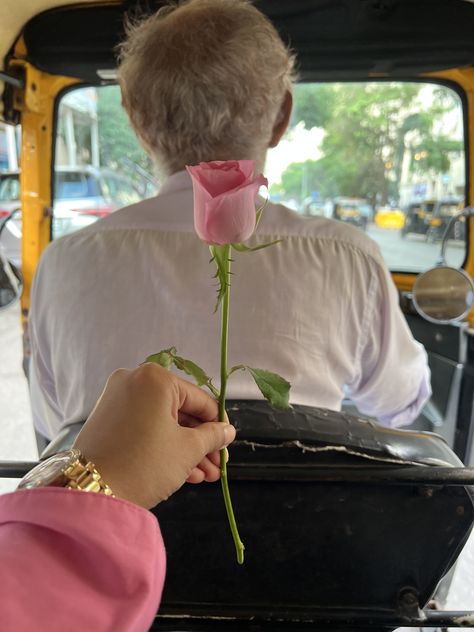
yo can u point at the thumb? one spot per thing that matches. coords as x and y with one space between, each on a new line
215 435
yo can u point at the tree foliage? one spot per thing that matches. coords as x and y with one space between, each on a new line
314 104
368 130
119 146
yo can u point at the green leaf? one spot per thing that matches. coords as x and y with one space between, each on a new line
167 357
244 248
163 358
192 369
272 386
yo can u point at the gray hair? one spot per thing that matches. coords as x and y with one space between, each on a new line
204 80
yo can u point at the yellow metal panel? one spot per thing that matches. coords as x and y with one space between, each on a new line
36 103
404 282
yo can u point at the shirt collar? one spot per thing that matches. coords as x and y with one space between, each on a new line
179 181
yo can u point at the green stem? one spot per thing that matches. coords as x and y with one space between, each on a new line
239 546
224 336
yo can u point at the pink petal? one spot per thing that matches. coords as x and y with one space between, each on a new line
247 167
201 197
231 217
218 181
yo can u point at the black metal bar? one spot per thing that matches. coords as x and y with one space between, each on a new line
321 620
427 475
13 81
452 476
16 469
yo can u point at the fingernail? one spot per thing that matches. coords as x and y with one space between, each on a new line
229 434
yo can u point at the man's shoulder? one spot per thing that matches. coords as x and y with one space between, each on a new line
281 219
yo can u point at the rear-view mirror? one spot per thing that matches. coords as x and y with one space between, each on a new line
443 294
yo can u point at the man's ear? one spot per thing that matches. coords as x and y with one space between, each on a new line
282 120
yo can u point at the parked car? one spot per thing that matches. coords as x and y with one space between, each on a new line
443 212
82 195
431 218
352 211
314 208
390 218
417 217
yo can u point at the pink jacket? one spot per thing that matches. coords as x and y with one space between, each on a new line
71 560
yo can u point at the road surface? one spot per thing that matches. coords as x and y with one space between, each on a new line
413 253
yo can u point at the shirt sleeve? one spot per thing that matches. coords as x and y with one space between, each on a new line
74 558
393 380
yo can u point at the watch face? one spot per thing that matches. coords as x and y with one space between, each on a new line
47 472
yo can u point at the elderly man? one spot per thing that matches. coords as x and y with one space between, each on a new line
212 80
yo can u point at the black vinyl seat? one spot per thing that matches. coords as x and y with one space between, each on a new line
346 432
347 525
343 521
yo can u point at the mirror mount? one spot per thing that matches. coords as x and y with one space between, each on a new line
466 212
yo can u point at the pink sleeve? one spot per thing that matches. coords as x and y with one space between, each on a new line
76 560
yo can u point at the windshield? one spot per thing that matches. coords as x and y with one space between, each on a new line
359 148
383 157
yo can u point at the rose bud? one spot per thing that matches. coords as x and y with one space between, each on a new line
224 200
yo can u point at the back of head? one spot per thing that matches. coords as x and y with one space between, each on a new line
203 81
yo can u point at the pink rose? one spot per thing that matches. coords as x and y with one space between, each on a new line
224 200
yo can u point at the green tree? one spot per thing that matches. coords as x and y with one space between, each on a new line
368 127
119 147
362 136
313 104
433 154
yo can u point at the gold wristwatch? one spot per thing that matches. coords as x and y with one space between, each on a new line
68 469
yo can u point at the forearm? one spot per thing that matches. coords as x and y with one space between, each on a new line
393 378
70 557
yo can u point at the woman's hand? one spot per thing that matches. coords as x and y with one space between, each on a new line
150 432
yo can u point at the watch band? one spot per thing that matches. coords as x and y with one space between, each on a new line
69 469
82 475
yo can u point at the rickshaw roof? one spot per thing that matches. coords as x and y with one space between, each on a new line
15 14
354 39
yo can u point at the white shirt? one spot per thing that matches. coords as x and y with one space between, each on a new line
320 309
